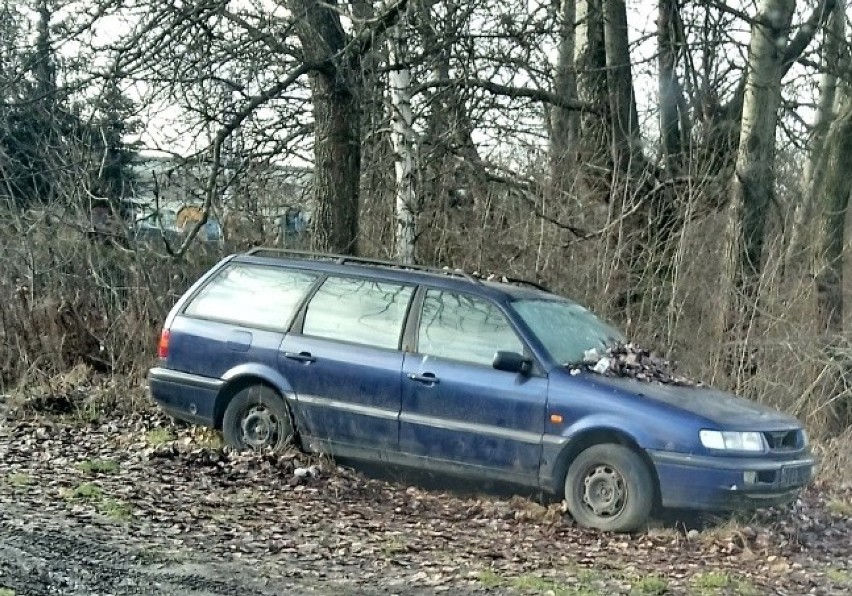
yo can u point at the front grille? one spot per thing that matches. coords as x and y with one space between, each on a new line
784 440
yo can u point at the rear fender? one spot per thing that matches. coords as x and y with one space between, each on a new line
244 375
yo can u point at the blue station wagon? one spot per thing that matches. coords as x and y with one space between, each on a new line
448 372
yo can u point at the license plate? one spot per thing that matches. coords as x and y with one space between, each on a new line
795 476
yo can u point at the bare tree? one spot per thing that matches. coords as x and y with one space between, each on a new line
833 51
564 124
404 142
753 182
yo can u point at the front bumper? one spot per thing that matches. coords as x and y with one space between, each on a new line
725 483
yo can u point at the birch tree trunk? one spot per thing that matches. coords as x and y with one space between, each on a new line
404 143
753 184
832 53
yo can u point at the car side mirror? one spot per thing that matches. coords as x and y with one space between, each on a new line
512 362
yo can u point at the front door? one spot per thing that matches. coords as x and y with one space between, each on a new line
344 364
455 406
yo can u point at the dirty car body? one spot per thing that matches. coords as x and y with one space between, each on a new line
451 373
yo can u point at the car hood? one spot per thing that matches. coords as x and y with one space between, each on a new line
725 409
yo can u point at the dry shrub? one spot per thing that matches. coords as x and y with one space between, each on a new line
79 393
68 298
670 297
835 456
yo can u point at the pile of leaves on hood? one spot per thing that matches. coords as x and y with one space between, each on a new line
632 361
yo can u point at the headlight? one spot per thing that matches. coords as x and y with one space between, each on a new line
732 441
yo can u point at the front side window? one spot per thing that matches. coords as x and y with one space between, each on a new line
566 329
358 311
252 295
461 327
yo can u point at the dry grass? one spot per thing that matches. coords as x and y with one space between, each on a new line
835 455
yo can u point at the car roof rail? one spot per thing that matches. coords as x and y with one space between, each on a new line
349 259
262 251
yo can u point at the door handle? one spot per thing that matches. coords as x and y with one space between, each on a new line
301 357
427 378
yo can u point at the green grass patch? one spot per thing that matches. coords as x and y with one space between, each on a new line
92 494
650 585
580 583
85 491
841 577
535 584
490 578
155 554
393 546
744 588
19 480
158 436
115 509
711 581
7 592
99 466
719 582
840 507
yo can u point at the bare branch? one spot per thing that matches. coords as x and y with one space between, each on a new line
806 33
540 95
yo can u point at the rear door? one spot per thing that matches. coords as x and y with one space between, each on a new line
344 362
455 406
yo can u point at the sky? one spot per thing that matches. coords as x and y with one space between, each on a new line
164 122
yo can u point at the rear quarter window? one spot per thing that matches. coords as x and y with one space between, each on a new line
252 296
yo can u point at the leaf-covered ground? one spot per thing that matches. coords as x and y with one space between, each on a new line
133 504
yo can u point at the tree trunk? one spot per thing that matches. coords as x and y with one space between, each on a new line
753 183
832 54
337 165
564 123
626 141
337 144
591 80
832 191
449 159
670 92
404 142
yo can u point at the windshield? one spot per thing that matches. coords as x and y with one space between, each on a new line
566 329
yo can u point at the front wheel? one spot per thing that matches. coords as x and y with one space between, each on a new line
257 418
609 487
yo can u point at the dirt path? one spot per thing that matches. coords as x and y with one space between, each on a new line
136 505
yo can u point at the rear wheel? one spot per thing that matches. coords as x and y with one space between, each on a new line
257 418
609 487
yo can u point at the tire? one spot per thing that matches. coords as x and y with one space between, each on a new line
257 418
609 487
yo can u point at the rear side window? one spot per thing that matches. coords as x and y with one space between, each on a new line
252 295
359 311
464 328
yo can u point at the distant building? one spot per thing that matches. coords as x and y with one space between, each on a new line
269 201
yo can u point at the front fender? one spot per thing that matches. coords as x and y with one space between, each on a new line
560 449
